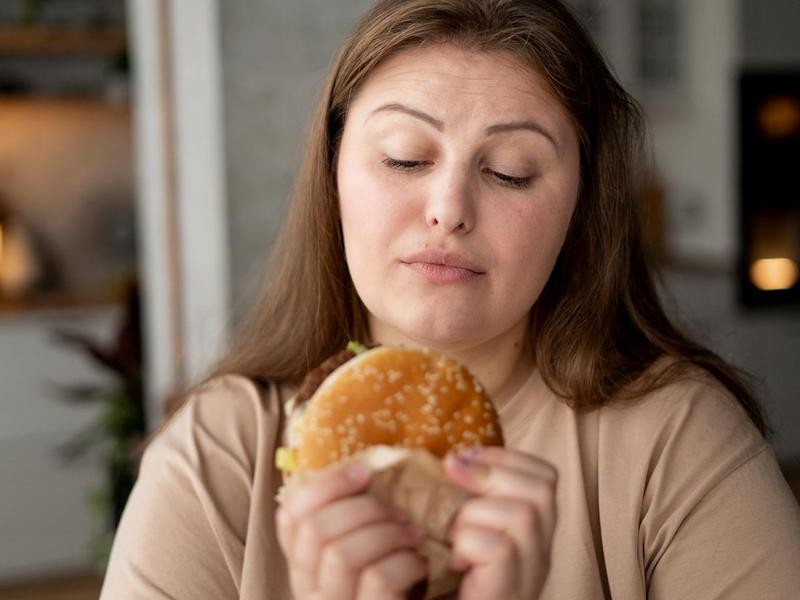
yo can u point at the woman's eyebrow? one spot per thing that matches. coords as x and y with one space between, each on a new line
529 125
396 107
439 125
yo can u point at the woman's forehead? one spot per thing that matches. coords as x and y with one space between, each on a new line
450 81
452 65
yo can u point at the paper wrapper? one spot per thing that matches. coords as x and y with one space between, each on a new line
414 481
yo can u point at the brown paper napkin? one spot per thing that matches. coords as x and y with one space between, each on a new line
413 480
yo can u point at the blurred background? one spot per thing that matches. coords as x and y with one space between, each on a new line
147 151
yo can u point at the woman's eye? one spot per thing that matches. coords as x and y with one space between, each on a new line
509 180
404 165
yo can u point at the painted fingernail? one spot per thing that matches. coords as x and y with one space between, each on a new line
470 468
469 452
462 462
357 473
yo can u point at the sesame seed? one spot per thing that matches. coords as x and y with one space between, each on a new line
395 376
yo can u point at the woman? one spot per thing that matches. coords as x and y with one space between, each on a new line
469 184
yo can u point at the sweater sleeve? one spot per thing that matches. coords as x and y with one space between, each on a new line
719 520
198 523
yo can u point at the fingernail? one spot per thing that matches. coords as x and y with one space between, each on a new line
461 461
468 467
468 453
357 473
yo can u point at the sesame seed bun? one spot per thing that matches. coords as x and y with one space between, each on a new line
393 396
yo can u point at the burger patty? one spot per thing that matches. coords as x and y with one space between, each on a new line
314 378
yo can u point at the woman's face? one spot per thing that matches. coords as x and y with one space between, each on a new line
458 176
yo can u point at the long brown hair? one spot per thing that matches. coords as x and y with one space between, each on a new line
598 325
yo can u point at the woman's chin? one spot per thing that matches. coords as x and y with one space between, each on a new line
439 335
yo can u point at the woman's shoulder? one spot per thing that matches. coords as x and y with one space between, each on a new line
691 400
691 428
229 414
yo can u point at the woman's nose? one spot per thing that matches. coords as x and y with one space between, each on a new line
450 207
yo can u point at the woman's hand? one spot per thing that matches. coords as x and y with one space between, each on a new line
502 538
341 543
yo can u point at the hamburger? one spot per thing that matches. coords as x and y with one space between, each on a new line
398 411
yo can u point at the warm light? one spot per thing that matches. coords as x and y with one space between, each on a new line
1 247
780 117
774 273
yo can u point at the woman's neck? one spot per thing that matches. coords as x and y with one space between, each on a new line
502 364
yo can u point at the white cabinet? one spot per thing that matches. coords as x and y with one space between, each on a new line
45 520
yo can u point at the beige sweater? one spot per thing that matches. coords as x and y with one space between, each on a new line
674 497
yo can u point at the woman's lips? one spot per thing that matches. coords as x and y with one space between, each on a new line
435 273
442 266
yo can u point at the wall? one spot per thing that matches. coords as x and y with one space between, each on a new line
275 57
693 137
769 33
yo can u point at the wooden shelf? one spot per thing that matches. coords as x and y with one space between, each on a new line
79 587
53 302
61 42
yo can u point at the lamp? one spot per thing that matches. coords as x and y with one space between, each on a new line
20 269
769 240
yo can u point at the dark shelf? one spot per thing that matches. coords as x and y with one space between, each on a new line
61 42
53 302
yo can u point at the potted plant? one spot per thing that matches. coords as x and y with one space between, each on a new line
118 432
